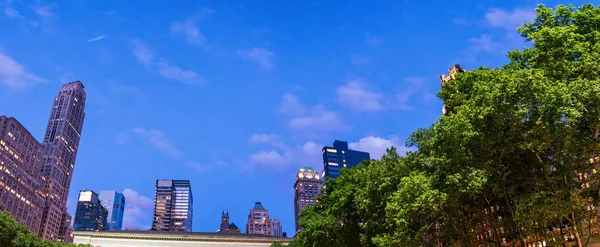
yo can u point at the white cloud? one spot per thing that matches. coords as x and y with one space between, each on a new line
200 167
357 96
142 53
376 146
13 75
268 158
97 38
44 11
263 138
121 138
485 43
317 118
159 141
190 30
262 56
509 20
137 210
175 73
296 156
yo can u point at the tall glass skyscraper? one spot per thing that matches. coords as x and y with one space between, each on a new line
61 143
90 214
173 206
114 203
339 156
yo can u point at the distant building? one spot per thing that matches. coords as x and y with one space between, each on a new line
260 223
307 187
21 184
339 156
173 206
227 227
61 142
65 233
114 203
90 214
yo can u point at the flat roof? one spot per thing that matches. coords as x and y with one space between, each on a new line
183 236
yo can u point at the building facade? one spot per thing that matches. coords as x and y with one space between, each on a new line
61 142
173 206
65 233
307 187
259 222
174 239
21 184
227 227
90 215
339 156
114 203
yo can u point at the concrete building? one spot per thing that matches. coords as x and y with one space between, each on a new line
174 239
227 227
114 203
339 156
306 188
173 206
90 214
21 184
61 142
65 233
259 222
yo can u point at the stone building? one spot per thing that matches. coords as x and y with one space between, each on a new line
227 227
174 239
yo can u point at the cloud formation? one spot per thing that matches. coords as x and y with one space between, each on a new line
138 209
175 73
261 56
13 75
159 141
286 156
98 38
376 146
263 138
509 20
142 53
311 119
359 97
190 31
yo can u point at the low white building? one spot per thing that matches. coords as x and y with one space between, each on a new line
173 239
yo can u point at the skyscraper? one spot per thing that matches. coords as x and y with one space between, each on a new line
173 206
114 203
90 214
259 222
21 184
339 156
307 187
61 142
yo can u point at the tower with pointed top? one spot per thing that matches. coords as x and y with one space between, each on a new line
224 221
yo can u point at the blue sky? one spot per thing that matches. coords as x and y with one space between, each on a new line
238 96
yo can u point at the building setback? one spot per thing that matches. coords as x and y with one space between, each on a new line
114 203
306 188
339 156
90 215
173 206
21 184
259 222
61 142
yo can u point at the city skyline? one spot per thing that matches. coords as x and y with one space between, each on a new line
245 98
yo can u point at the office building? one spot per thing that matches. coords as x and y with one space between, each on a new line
307 187
259 222
65 233
339 156
61 142
227 227
90 215
21 184
173 206
114 203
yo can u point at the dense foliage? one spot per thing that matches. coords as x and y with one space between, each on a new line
510 165
13 234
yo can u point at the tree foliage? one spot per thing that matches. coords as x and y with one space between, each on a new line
13 234
512 164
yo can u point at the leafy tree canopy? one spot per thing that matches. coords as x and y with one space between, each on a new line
13 234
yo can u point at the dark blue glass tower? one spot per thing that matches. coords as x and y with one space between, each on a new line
90 215
339 156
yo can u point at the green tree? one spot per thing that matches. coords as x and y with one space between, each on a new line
13 234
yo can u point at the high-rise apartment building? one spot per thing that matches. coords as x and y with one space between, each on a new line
173 206
259 222
90 215
307 187
114 203
339 156
21 184
61 142
227 227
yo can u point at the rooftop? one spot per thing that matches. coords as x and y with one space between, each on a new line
258 206
177 236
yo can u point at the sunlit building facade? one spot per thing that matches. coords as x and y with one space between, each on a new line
259 222
21 184
114 203
61 142
307 187
90 215
339 156
173 206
